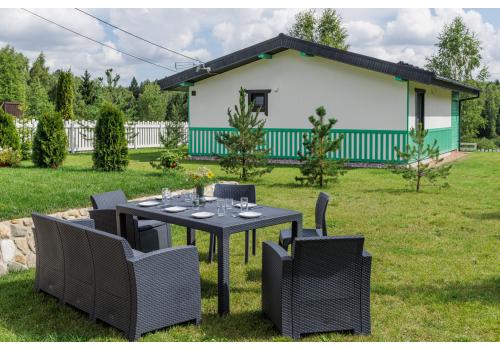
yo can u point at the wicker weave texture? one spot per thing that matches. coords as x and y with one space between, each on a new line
328 282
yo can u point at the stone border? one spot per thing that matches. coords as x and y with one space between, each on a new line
17 242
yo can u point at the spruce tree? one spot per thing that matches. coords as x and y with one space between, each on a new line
49 141
110 141
65 95
246 152
88 89
417 154
134 88
316 168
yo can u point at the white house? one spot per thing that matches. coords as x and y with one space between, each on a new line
375 102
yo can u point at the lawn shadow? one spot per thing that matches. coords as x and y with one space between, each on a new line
145 157
486 291
238 326
253 275
36 316
484 216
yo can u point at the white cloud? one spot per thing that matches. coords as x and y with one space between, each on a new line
390 34
364 33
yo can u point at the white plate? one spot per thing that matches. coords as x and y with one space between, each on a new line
249 214
202 215
175 209
250 205
210 199
148 203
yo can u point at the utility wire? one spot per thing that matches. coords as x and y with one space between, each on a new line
100 43
138 37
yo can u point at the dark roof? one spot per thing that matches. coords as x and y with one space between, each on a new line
284 42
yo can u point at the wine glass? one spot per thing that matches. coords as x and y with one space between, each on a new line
244 203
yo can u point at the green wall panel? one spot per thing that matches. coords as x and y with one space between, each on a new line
358 145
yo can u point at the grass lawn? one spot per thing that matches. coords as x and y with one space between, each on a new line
435 274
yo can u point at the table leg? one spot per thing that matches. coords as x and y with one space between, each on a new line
223 273
191 236
254 241
296 229
246 246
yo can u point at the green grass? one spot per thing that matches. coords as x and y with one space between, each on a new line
435 274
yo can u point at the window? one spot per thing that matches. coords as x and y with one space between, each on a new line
259 100
419 108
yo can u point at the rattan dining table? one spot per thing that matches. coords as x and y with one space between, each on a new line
222 226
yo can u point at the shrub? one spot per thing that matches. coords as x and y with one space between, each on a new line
49 142
9 157
9 138
484 143
170 158
110 141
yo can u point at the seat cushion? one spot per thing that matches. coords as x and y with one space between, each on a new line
145 225
286 235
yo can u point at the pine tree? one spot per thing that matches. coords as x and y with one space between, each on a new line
417 153
134 88
246 152
316 168
65 95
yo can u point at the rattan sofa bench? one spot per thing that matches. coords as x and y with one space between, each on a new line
100 274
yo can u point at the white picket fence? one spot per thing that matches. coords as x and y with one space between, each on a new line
140 134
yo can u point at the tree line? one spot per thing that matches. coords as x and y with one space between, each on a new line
39 90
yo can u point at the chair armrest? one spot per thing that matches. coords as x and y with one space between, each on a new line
366 270
167 281
104 219
84 222
277 285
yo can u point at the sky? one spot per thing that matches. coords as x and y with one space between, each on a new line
390 34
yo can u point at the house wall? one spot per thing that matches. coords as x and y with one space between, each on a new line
437 106
356 97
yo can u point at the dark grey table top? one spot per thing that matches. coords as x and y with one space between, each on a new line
216 224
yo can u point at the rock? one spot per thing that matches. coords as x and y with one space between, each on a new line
18 230
3 269
73 212
27 222
30 260
31 243
84 212
4 231
22 244
8 250
21 259
15 221
14 267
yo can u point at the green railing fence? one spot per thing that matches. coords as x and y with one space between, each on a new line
357 145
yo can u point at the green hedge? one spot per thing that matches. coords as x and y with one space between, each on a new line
110 141
49 142
9 138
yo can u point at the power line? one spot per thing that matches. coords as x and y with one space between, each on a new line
138 37
99 42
